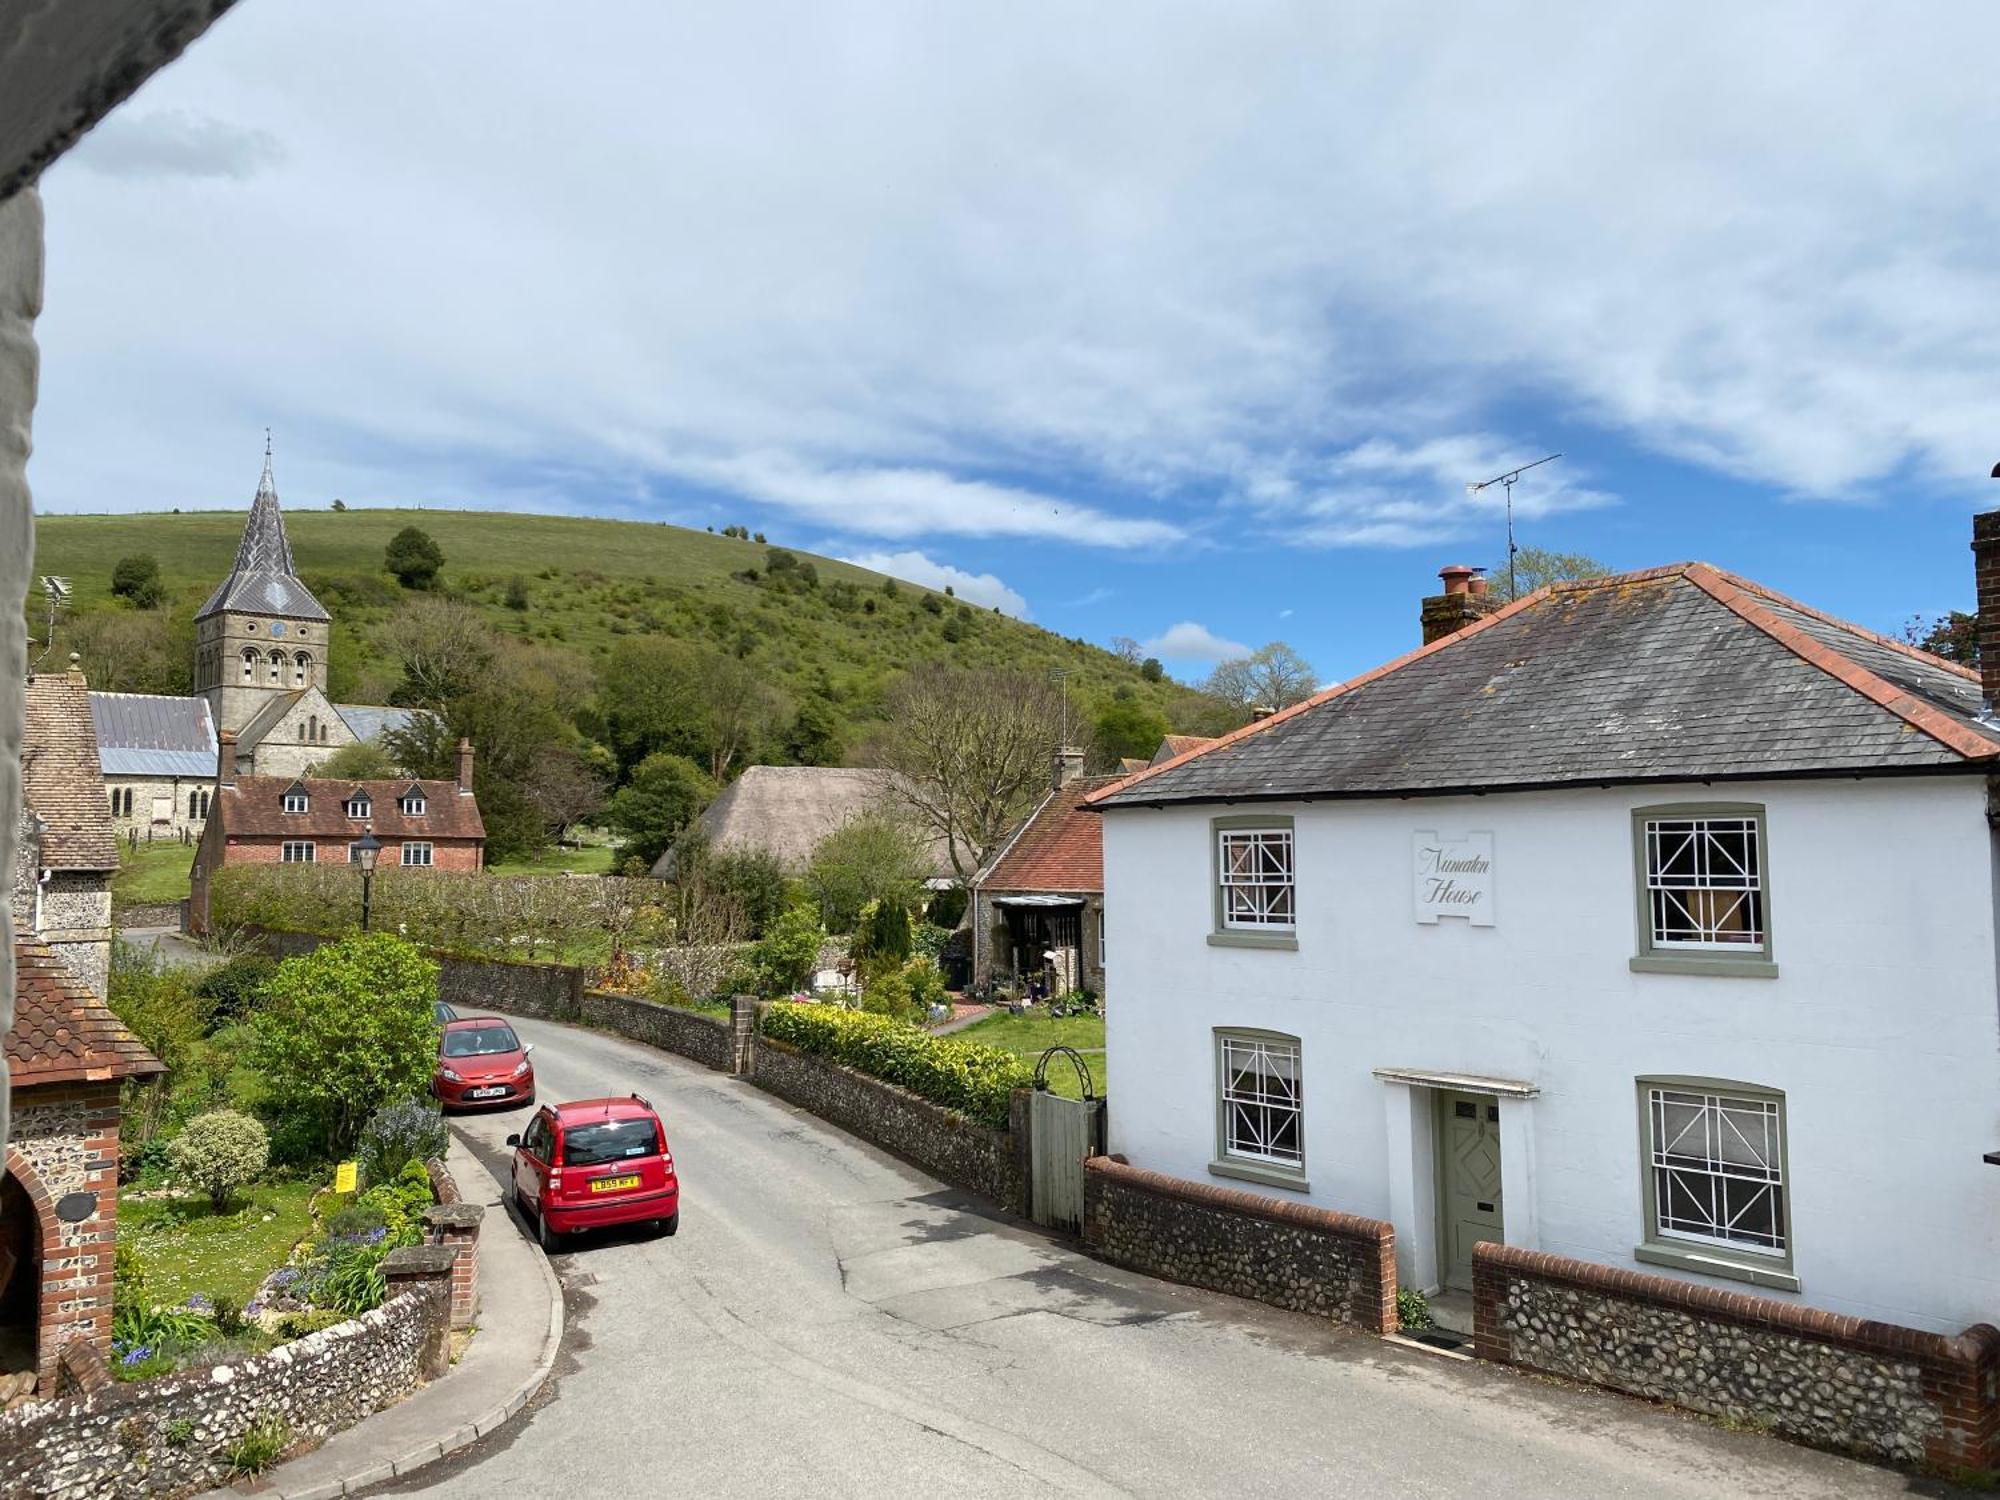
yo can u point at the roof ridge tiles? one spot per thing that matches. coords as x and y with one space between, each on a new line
1916 653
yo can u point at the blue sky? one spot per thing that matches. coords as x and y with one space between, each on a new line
1187 323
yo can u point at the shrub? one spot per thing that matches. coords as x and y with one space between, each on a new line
399 1204
970 1077
296 1325
234 989
785 956
263 1443
348 1028
1413 1309
889 930
219 1152
888 994
926 982
353 1282
414 558
137 578
399 1134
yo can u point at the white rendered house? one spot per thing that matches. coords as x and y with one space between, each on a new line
1648 921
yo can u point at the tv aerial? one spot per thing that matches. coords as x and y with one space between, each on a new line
1510 479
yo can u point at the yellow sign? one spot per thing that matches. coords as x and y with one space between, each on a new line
344 1177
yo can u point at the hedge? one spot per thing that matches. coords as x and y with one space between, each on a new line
970 1077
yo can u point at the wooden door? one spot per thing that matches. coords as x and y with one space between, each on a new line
1468 1182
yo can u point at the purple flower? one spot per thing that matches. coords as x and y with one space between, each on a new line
376 1236
136 1356
253 1308
284 1276
200 1303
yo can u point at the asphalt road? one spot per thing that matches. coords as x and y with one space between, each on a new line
831 1322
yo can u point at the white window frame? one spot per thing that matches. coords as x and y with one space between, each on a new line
297 802
1250 1121
1253 894
422 847
297 852
412 807
1685 910
358 807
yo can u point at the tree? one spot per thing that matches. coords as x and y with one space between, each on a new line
132 651
414 558
364 760
517 592
443 648
973 750
345 1030
813 738
786 956
1127 650
1953 635
1128 727
889 933
1537 567
664 795
564 787
1151 670
878 856
137 578
218 1152
1272 677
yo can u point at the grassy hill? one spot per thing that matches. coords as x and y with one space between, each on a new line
587 583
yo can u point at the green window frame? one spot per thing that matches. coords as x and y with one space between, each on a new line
1260 1120
1231 930
1702 890
1715 1179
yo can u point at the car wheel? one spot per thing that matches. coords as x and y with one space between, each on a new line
671 1223
544 1236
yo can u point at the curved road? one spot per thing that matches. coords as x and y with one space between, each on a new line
832 1322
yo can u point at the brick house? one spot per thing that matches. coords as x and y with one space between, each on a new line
1043 892
62 881
67 1055
269 820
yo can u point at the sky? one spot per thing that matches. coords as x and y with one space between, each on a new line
1183 322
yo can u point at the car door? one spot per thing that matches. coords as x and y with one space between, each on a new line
531 1162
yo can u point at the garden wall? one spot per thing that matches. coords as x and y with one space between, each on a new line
1290 1255
173 1436
705 1039
1876 1389
991 1163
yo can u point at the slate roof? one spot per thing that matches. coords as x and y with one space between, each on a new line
370 721
60 780
264 580
255 808
1681 673
62 1033
148 734
1059 848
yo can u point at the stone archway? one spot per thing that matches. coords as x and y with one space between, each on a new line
28 1240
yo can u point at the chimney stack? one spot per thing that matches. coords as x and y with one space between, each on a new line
225 760
1464 600
464 767
1068 766
1986 572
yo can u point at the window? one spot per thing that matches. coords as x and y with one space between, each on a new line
610 1140
206 797
295 852
301 669
1702 896
114 802
125 802
1716 1188
416 854
357 807
1260 1131
1254 875
249 666
277 660
412 804
194 805
295 802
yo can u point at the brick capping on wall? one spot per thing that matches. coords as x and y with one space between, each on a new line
1836 1381
1289 1255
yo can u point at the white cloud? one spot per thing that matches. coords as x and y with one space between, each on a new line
1188 641
932 270
982 589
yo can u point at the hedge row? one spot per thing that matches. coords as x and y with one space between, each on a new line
970 1077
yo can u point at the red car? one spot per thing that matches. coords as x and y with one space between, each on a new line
595 1163
482 1061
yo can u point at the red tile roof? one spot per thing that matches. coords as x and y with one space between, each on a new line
62 1033
1178 744
60 780
1059 848
255 808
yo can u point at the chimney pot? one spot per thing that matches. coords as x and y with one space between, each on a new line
1464 600
1478 585
1457 578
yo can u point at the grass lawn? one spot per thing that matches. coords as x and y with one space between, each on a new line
187 1249
151 874
1032 1034
591 859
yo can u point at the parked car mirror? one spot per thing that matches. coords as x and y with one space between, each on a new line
527 1049
513 1140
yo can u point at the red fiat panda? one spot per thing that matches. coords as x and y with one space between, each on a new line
594 1163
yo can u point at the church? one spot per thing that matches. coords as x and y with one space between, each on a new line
260 673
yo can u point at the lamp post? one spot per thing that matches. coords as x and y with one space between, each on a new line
364 853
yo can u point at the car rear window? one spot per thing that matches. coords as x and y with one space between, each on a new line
609 1140
480 1041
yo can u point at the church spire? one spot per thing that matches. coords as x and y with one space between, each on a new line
264 580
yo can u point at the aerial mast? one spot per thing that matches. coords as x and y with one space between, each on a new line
1509 479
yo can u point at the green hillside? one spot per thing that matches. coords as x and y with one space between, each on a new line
587 583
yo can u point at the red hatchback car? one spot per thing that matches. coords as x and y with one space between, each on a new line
481 1061
592 1164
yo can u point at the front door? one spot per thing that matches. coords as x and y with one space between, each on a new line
1468 1181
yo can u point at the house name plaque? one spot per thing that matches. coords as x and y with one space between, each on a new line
1454 877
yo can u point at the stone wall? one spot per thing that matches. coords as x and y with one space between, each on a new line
173 1436
706 1039
553 992
1290 1255
992 1163
173 791
1874 1389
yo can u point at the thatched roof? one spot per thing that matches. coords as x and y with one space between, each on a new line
786 810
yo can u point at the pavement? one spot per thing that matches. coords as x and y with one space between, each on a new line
832 1322
170 944
520 1327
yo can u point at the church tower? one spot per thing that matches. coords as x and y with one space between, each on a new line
261 636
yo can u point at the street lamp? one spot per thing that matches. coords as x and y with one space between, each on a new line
364 853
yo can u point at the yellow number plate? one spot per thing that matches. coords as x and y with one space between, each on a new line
612 1184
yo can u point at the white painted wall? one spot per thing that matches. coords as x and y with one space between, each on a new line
1880 1029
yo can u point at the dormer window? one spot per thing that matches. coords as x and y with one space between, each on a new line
411 804
358 806
295 802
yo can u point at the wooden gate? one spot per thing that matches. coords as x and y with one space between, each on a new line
1061 1133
